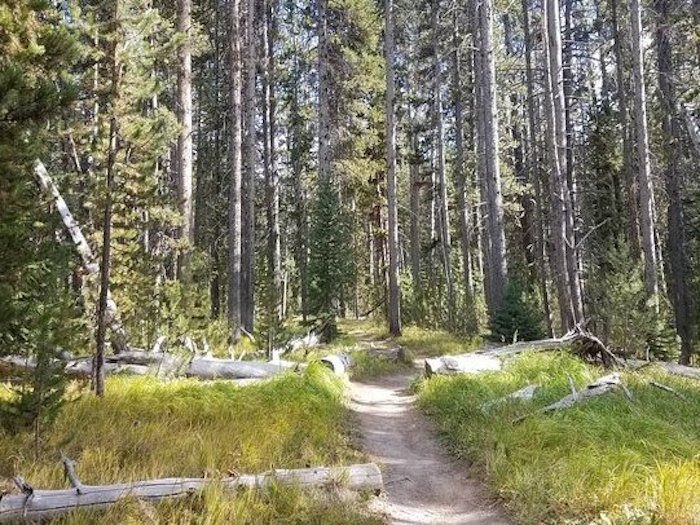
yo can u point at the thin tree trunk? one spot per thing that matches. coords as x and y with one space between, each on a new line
534 171
324 131
106 260
248 180
677 256
464 212
444 219
630 184
556 149
572 249
646 188
486 81
234 273
184 112
393 233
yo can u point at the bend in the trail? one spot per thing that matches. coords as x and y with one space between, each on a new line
424 484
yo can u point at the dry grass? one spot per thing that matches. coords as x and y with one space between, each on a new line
145 428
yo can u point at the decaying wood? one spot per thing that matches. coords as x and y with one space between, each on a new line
36 505
87 257
211 368
672 368
667 388
339 363
462 364
579 341
603 385
526 393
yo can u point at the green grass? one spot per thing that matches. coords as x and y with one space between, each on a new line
426 342
145 428
610 460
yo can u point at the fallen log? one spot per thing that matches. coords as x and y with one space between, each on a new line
142 363
603 385
339 363
690 372
599 387
118 333
37 505
212 368
462 364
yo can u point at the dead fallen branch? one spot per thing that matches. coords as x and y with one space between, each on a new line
37 505
526 393
603 385
599 387
667 388
87 257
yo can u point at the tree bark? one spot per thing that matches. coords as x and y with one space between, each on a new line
393 233
234 263
646 188
248 181
630 184
324 131
443 209
534 171
184 113
272 183
556 149
106 259
671 125
464 212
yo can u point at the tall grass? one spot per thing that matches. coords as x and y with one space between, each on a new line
145 428
610 459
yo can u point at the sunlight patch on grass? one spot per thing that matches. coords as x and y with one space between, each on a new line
426 342
607 457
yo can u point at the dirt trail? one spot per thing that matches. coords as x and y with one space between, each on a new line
424 485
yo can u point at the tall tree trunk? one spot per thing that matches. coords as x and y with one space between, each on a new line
533 169
272 190
572 250
646 188
464 212
630 184
444 218
677 256
234 243
393 219
184 113
248 181
486 81
106 259
556 150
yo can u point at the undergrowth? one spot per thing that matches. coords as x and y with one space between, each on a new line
610 460
145 428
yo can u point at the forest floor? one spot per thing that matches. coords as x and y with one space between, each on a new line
424 484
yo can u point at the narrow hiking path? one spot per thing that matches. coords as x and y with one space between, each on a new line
424 484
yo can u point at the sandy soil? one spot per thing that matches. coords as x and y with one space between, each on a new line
423 483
